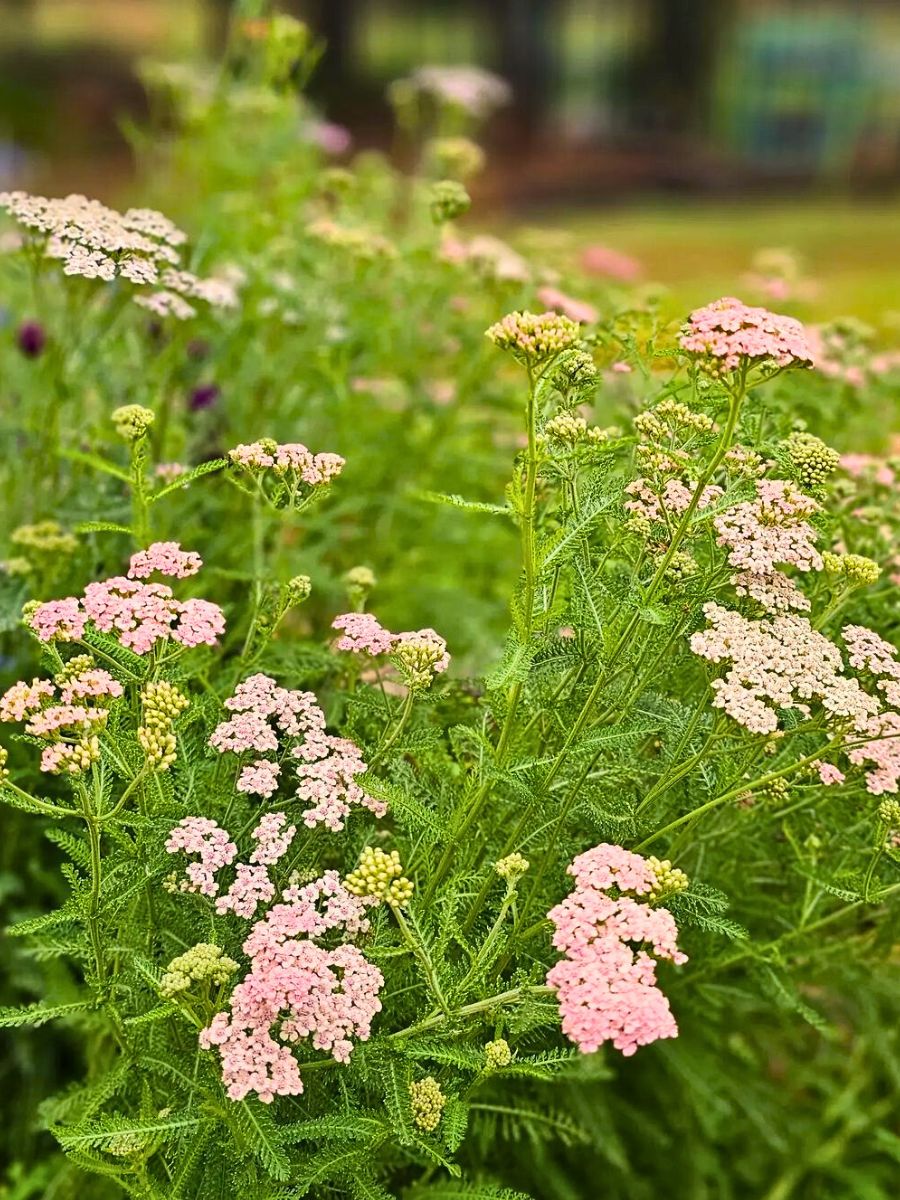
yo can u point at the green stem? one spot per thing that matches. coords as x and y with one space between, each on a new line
418 949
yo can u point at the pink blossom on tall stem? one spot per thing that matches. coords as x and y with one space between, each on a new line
607 990
204 838
59 620
165 558
362 633
730 332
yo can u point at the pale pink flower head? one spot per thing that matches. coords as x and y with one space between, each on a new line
362 633
164 558
606 983
602 260
59 620
576 310
729 332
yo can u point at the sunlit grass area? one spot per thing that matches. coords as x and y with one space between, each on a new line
699 249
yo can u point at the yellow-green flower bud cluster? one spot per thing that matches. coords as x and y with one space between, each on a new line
497 1054
380 875
162 703
681 566
812 460
298 589
858 569
671 417
669 880
534 337
512 867
447 200
775 789
417 660
574 370
458 157
45 537
132 421
427 1102
359 582
889 813
203 963
74 667
4 758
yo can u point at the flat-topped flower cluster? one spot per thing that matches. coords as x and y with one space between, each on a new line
269 719
607 990
295 987
729 332
140 615
97 242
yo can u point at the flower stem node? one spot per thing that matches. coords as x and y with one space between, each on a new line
427 1102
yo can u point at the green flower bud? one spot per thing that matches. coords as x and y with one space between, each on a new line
448 200
132 421
427 1102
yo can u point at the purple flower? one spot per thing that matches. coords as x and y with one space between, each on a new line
204 396
31 338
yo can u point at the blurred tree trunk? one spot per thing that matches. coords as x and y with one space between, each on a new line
527 49
672 77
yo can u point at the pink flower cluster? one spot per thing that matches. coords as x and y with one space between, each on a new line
775 663
674 499
731 332
296 989
166 558
326 766
363 633
74 726
214 850
313 469
602 260
138 614
575 310
772 529
607 990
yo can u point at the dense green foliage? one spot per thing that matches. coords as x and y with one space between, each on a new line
574 713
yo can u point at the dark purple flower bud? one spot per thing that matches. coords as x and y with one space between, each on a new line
204 396
31 338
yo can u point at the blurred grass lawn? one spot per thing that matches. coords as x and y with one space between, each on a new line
700 250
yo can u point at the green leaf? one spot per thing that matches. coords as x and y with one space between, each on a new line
342 1128
264 1141
450 1189
109 1128
102 527
97 462
205 468
40 1014
454 501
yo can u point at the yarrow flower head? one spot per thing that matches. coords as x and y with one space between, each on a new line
379 877
164 558
727 333
132 421
288 475
427 1102
264 717
497 1055
607 990
534 338
203 964
812 460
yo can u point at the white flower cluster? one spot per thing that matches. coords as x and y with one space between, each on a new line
97 242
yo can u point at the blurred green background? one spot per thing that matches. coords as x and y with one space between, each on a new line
689 133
